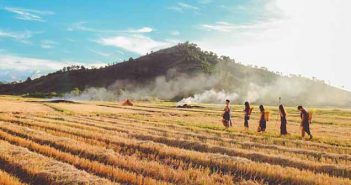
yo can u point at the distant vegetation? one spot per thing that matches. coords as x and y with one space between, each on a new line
250 82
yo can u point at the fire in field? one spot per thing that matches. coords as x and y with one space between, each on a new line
156 142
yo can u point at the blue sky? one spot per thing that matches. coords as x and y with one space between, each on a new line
71 30
37 37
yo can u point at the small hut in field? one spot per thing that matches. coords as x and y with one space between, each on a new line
127 102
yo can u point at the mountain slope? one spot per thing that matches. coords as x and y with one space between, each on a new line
143 68
185 70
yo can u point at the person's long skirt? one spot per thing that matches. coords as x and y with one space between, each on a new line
227 122
283 130
246 123
306 128
262 126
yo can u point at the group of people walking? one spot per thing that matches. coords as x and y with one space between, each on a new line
264 117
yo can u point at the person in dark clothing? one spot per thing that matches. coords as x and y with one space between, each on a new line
227 122
247 111
283 121
262 122
305 122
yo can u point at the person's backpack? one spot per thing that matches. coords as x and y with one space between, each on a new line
266 116
310 115
250 111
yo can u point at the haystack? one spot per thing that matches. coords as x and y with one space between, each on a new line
127 102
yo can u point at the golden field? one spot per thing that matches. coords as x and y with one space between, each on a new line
156 143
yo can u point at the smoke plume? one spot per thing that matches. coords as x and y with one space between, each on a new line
173 86
216 87
209 96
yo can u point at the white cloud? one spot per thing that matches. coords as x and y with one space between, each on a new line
141 30
187 6
48 44
82 26
29 14
302 37
180 7
27 63
14 67
222 26
104 54
175 33
219 26
136 43
18 36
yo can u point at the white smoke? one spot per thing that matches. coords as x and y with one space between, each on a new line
209 96
169 87
253 93
205 88
99 94
164 87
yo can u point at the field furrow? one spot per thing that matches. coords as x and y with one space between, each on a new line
98 169
261 171
179 142
107 156
200 128
157 143
7 179
37 169
161 131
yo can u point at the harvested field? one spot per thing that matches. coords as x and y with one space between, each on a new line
158 143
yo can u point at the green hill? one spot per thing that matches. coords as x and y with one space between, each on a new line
182 71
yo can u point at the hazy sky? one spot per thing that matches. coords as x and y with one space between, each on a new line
308 37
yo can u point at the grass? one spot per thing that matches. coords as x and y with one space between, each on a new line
156 143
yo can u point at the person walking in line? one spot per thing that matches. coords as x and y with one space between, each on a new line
262 122
247 111
283 120
305 122
227 122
